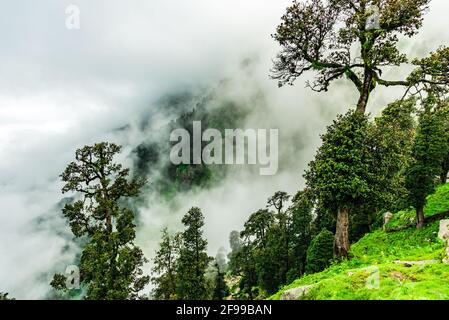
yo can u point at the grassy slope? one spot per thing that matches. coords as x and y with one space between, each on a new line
378 249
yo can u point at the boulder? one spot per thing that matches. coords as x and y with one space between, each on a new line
296 293
387 218
443 234
415 263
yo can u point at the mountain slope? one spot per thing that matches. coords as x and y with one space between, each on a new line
388 265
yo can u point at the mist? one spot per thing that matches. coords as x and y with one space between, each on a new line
62 89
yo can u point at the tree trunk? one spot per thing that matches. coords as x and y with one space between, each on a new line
443 177
341 241
365 91
420 217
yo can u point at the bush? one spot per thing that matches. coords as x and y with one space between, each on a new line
320 252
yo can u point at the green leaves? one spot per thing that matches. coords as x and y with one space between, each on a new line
193 259
340 173
320 252
428 153
110 263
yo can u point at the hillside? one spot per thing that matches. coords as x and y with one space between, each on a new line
386 265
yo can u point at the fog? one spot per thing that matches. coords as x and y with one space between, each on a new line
61 89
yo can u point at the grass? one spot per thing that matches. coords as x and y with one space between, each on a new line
371 273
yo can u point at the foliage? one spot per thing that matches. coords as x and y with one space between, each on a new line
320 252
164 271
221 290
339 174
193 259
319 36
379 249
110 264
428 152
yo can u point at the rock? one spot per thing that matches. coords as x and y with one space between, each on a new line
296 293
416 263
443 234
387 218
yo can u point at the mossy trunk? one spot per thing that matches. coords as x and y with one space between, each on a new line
420 217
341 241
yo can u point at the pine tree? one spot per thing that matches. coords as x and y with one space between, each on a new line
165 263
110 263
340 176
221 290
193 259
428 152
300 232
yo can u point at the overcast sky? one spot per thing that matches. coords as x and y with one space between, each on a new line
61 89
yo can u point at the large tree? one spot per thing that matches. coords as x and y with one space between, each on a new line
193 259
110 263
355 39
340 176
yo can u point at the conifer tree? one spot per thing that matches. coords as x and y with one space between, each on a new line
193 259
221 290
165 263
428 152
110 264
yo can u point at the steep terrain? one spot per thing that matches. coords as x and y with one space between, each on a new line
386 264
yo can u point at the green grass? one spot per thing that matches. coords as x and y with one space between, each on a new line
373 257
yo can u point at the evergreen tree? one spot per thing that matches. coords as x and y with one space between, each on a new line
110 264
428 152
236 245
320 252
193 259
221 290
164 270
300 232
340 177
391 139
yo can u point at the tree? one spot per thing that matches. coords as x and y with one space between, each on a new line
110 263
164 270
257 226
281 235
193 259
391 139
319 36
428 152
320 252
236 245
445 164
300 232
340 177
221 290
